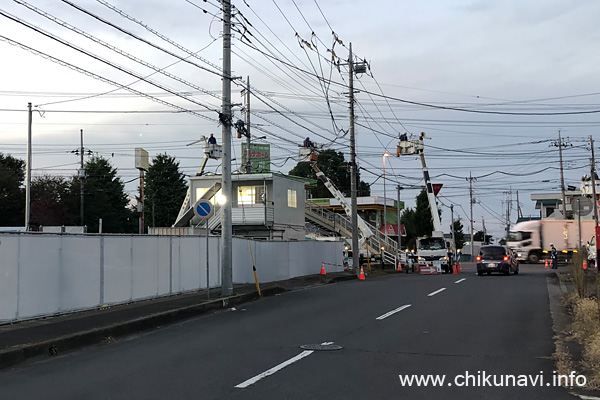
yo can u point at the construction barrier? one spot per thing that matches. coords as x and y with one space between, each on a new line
427 270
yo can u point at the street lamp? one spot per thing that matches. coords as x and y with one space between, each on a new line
386 154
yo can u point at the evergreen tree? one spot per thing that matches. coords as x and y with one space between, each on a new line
12 193
165 189
459 236
105 198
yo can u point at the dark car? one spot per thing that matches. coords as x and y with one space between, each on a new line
496 258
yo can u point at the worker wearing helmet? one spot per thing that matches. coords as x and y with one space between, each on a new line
554 256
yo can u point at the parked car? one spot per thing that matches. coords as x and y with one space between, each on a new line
497 258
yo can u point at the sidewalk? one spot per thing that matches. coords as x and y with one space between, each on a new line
50 336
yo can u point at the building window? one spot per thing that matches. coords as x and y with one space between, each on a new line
248 195
291 198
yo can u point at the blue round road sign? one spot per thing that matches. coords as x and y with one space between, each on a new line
203 209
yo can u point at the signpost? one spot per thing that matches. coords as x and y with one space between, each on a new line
204 209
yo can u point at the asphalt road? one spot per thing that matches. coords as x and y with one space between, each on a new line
479 327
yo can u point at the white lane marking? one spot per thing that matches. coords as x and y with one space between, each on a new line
460 280
276 368
384 316
436 292
584 397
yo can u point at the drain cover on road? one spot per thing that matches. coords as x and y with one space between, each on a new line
321 347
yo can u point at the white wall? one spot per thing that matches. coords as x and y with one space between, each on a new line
49 274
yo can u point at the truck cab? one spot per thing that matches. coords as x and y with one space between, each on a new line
433 251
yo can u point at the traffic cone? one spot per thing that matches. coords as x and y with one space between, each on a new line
454 269
399 266
362 274
323 268
584 263
546 264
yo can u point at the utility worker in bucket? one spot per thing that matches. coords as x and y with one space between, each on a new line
554 256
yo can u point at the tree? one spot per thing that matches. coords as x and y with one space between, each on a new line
418 222
49 199
164 192
105 198
459 236
334 166
478 236
12 195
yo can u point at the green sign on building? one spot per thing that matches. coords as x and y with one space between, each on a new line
260 157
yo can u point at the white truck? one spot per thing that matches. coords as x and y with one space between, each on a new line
531 239
431 250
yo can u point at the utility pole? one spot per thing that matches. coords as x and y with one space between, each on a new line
508 207
353 172
142 204
248 163
28 181
519 211
452 232
471 201
399 188
560 145
595 200
81 179
225 119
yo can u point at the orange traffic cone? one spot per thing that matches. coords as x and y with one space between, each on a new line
454 269
362 274
323 268
546 264
399 266
584 263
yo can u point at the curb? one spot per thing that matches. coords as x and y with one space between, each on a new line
17 354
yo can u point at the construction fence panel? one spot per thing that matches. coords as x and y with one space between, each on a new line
118 271
39 276
48 274
9 277
306 257
80 279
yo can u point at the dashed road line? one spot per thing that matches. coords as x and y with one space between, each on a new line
384 316
276 368
436 292
461 280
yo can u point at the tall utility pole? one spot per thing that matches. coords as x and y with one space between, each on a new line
452 231
28 173
594 199
142 202
248 163
560 145
81 179
471 201
225 119
519 211
508 207
353 172
399 188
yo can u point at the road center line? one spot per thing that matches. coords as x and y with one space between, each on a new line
276 368
460 280
436 292
384 316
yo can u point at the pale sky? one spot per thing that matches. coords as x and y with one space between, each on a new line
500 57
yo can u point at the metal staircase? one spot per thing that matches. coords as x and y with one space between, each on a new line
341 225
186 213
